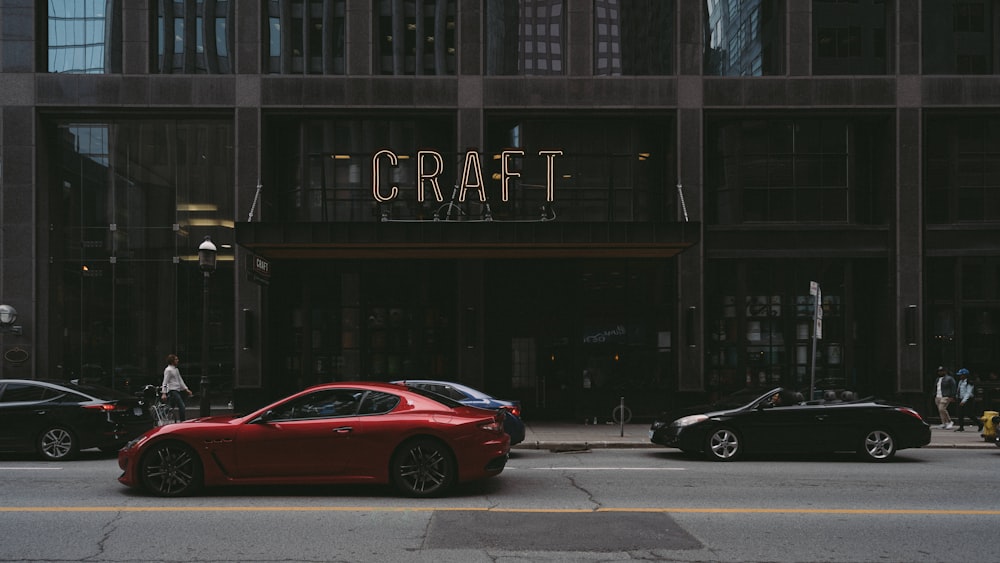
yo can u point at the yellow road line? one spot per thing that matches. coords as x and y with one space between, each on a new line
666 510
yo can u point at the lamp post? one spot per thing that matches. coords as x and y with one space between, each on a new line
8 316
206 261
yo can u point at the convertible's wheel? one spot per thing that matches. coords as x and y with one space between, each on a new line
422 468
723 445
878 445
57 444
170 469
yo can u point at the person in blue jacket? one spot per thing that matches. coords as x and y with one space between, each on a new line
966 402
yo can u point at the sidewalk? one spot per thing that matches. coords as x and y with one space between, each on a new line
565 436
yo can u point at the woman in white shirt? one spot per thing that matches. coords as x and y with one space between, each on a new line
173 385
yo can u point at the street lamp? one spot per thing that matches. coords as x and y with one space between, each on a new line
8 316
206 261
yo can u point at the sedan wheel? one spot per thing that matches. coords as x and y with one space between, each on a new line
723 445
423 468
57 444
170 470
878 445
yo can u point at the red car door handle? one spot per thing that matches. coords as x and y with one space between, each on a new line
343 430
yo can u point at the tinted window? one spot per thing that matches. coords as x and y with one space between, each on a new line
851 37
84 36
305 36
321 404
633 37
415 37
377 402
446 401
23 392
525 37
962 169
193 37
744 37
957 37
824 170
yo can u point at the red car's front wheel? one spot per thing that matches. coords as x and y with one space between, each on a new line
170 469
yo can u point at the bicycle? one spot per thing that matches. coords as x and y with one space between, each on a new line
161 411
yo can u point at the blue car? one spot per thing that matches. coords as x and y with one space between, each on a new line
466 395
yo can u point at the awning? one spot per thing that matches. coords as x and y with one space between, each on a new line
466 239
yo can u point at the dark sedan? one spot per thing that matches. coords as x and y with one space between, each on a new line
58 419
780 420
466 395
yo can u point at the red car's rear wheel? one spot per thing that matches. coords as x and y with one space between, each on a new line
423 467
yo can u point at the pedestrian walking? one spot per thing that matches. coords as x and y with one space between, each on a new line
944 394
966 400
173 385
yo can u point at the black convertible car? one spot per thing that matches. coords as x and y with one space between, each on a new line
780 420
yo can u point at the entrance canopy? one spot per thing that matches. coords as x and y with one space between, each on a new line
467 239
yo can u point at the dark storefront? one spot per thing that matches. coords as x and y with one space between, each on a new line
561 335
560 202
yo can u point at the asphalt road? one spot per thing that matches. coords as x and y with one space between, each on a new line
600 505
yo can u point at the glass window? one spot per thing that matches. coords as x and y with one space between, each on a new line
22 393
611 168
962 169
826 170
852 38
958 37
84 36
633 37
415 37
130 200
377 402
321 169
745 37
525 37
192 37
305 36
760 319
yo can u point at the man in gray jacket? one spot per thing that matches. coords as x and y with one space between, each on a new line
944 394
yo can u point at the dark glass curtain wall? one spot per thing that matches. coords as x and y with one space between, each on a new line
194 36
633 37
525 37
613 169
832 169
744 37
129 203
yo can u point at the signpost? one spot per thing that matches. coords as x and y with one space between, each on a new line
817 295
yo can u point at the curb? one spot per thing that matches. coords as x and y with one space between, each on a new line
568 447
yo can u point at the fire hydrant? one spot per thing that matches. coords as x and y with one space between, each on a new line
989 425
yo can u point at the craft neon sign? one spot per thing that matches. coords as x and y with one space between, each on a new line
430 166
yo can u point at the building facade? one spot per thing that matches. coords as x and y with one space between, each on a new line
559 202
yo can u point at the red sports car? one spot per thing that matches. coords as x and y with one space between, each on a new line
334 433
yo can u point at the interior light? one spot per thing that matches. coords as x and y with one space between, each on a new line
197 207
